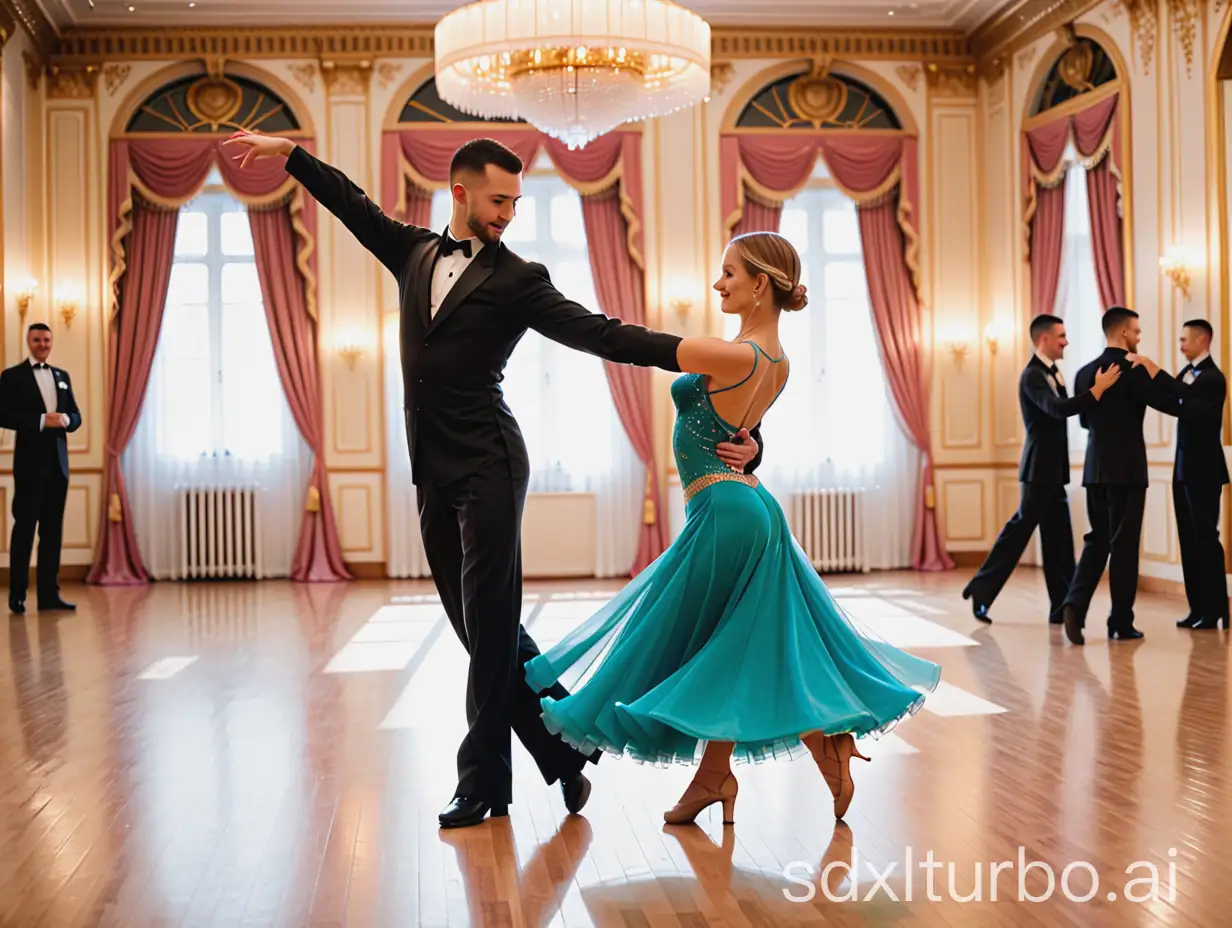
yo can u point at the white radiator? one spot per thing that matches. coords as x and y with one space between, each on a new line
219 532
829 525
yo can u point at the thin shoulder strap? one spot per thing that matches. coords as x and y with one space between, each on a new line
756 358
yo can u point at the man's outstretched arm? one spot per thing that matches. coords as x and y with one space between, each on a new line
387 239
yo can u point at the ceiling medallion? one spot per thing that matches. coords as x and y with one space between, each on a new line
816 96
574 69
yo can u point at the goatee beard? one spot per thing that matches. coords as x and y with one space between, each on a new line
481 231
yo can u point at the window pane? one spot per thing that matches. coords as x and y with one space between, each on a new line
794 226
845 281
574 280
240 283
567 224
841 229
442 210
236 234
192 234
184 347
190 283
251 390
524 227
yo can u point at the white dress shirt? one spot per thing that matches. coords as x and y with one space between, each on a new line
449 268
47 386
1191 375
1054 380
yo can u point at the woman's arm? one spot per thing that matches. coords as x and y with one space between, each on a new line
715 357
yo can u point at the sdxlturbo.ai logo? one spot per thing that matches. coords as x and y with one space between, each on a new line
1026 881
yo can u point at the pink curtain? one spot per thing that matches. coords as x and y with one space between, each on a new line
130 356
1096 134
608 175
148 180
758 215
318 555
880 172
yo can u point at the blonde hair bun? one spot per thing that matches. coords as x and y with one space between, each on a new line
798 299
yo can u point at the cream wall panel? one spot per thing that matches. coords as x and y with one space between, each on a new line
17 261
1159 521
956 311
81 511
558 535
357 499
966 498
352 309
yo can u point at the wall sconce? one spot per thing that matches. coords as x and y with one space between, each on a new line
68 301
351 353
991 337
25 293
959 348
1173 264
681 305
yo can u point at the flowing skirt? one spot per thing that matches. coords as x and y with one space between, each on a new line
730 635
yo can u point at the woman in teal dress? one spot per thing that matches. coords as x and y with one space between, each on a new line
729 644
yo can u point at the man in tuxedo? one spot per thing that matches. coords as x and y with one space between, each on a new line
466 301
1198 478
37 402
1115 477
1042 474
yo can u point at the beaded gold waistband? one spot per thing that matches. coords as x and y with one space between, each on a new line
711 479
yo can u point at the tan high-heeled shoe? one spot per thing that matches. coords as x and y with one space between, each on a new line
835 766
685 812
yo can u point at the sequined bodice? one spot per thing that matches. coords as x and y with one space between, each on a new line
699 429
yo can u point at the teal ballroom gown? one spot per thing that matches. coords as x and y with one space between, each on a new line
729 635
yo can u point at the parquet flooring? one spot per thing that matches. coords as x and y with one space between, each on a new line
276 754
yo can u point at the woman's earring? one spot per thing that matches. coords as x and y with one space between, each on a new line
757 304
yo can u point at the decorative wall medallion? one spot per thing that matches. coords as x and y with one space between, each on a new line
1026 56
114 76
909 74
305 75
720 75
817 96
387 72
215 100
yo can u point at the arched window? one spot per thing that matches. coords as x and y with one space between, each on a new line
426 106
1080 69
211 103
800 101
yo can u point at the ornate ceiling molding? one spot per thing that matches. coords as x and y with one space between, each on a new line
31 17
1017 24
8 24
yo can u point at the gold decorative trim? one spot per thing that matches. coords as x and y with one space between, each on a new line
73 82
387 72
951 80
305 75
8 24
346 78
1143 23
909 74
721 73
882 44
114 76
1185 22
1019 24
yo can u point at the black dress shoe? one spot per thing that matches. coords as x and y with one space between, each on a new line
576 790
465 811
1124 634
17 606
1073 625
1207 623
1189 621
56 605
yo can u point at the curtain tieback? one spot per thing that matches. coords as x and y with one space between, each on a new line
114 512
649 516
313 502
930 497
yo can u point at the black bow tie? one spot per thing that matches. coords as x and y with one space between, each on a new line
42 367
449 245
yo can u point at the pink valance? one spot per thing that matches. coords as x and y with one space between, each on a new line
415 163
869 167
168 172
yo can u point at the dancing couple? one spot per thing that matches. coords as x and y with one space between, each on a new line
727 646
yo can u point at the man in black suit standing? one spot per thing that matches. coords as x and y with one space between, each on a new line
1198 478
466 301
1042 474
1115 476
37 402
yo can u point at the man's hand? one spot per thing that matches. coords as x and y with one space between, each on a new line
1105 379
1141 360
55 420
255 147
735 456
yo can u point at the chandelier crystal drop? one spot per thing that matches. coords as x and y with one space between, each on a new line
574 69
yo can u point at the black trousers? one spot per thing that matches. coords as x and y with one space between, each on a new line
1115 513
38 501
472 533
1202 560
1039 504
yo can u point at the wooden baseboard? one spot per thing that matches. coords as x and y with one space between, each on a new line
1161 585
367 570
968 558
69 573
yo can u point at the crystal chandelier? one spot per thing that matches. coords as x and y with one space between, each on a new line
574 69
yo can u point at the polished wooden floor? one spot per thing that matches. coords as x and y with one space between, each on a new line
232 754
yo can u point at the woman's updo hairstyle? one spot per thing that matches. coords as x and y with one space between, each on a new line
771 254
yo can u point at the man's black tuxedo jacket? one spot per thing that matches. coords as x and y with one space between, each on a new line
21 406
1116 450
1045 453
1199 447
457 422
